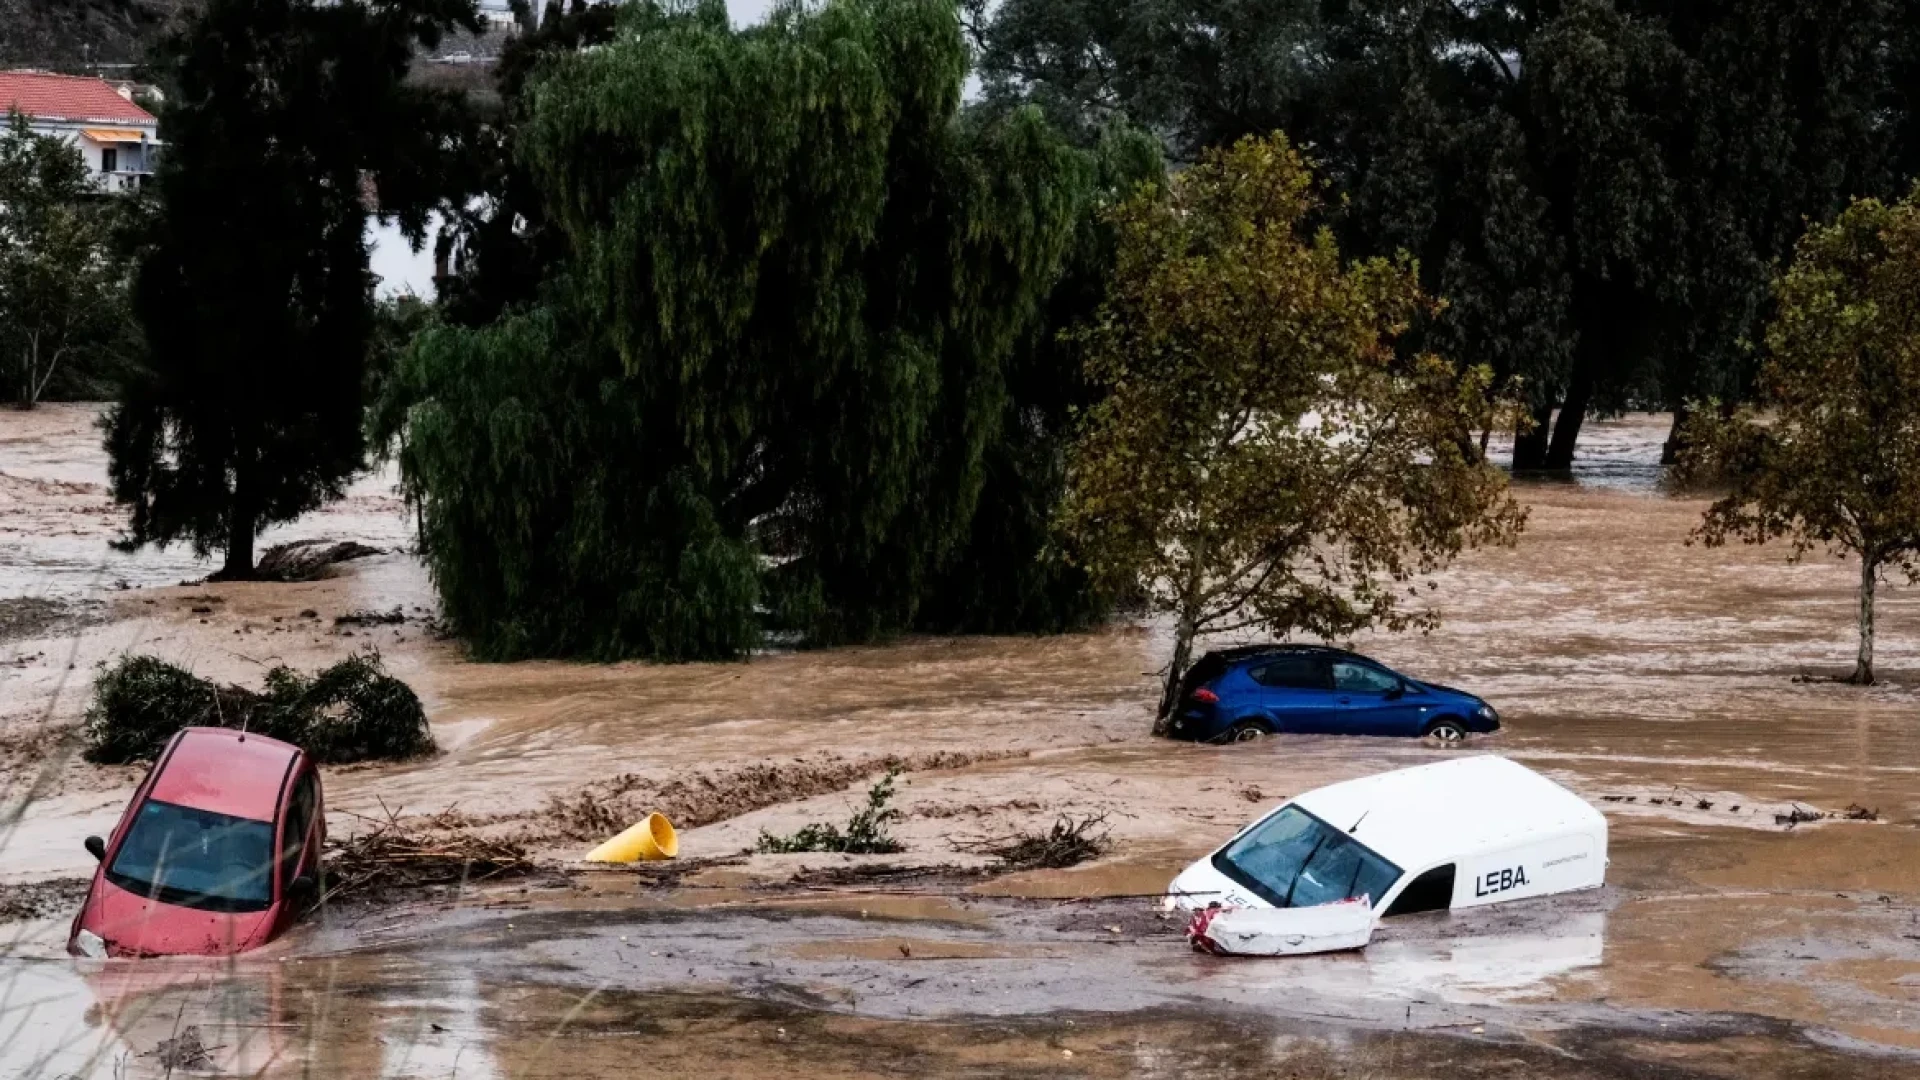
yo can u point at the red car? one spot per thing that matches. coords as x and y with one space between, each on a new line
217 853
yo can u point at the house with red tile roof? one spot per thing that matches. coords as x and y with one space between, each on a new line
119 139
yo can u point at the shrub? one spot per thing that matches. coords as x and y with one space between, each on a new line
865 834
352 711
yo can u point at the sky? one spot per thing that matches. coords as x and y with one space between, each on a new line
404 271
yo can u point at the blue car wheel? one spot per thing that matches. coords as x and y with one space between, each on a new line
1447 730
1247 731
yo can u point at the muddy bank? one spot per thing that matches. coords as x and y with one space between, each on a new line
37 617
51 899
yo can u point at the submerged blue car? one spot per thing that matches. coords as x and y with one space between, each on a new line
1245 693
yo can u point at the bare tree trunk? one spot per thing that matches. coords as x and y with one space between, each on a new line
1676 444
1530 446
240 526
1573 413
1176 670
1863 664
1183 634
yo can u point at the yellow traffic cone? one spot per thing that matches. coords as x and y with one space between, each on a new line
652 838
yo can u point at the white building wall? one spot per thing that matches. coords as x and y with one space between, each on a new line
134 160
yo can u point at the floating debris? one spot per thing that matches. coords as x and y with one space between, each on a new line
183 1053
371 618
399 855
1067 843
1797 816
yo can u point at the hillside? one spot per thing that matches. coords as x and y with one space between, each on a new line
104 36
69 35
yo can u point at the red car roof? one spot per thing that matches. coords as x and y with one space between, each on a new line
225 771
38 94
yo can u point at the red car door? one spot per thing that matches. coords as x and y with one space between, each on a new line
302 831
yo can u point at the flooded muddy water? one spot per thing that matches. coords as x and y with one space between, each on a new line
1659 680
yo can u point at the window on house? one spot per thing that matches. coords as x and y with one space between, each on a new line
109 160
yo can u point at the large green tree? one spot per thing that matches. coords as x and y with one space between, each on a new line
1009 575
63 292
759 388
1825 456
1598 187
290 122
1267 456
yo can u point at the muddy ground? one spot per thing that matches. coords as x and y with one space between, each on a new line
1656 679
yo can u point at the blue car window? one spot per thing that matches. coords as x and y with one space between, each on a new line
1296 672
1359 677
1294 859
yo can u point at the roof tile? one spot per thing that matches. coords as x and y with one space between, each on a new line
43 96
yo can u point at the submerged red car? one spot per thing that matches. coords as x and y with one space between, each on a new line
217 853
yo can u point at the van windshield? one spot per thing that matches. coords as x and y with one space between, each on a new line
1293 859
196 858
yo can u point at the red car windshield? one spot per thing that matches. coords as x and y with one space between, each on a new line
196 858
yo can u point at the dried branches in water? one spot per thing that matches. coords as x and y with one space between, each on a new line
397 855
308 560
1069 842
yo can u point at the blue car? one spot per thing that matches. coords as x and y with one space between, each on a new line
1238 694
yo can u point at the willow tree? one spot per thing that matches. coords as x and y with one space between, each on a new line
1266 458
1825 455
764 375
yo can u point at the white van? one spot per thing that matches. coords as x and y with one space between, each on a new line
1456 834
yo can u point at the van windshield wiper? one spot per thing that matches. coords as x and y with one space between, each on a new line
1304 863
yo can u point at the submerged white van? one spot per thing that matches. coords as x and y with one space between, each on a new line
1456 834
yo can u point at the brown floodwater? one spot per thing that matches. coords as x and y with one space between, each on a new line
1657 679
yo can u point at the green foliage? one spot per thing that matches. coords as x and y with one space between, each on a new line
1824 456
546 524
1598 187
865 834
502 247
352 711
760 388
64 319
253 289
1265 457
1009 578
396 322
1202 72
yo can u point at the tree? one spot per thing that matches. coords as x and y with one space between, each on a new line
1824 457
1265 457
1598 187
501 246
291 122
1201 72
63 294
758 387
1009 576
